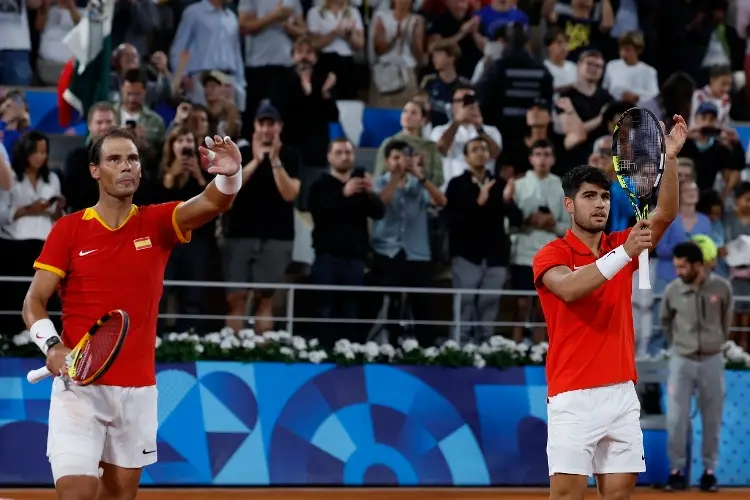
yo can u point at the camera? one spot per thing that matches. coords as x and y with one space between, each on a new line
358 172
187 152
130 123
710 131
469 99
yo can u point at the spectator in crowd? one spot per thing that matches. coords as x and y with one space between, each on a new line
539 197
674 98
478 206
620 209
198 121
269 28
223 116
125 59
208 39
564 72
685 169
54 22
514 160
499 13
400 240
422 98
737 225
134 23
585 33
6 174
460 26
467 124
413 119
441 85
181 117
181 178
14 118
259 228
337 32
628 78
133 113
396 50
80 189
709 152
307 104
341 202
34 203
712 206
589 103
715 92
696 315
512 84
15 42
712 42
493 50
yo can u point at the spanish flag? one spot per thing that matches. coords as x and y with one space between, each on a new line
85 78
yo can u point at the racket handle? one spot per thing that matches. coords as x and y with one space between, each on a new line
38 375
644 273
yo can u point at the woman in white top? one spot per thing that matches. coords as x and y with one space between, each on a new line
28 211
54 21
338 32
396 41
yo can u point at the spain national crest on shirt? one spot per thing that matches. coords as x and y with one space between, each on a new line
142 243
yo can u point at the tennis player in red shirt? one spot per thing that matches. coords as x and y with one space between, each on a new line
584 282
113 256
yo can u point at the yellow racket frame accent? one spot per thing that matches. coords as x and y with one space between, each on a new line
75 354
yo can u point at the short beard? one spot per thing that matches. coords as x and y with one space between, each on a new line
587 226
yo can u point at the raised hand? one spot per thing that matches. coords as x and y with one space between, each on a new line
676 138
221 156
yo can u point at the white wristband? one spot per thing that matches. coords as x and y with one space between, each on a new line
41 332
229 185
612 262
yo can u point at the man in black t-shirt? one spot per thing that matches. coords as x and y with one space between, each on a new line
458 24
259 228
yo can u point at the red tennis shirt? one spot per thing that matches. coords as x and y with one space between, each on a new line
591 340
104 268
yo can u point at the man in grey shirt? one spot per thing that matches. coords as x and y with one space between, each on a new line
696 314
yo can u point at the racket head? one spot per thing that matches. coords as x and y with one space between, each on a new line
638 157
99 347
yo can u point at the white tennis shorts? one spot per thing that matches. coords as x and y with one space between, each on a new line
595 431
116 425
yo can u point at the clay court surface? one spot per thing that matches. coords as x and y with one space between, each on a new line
373 494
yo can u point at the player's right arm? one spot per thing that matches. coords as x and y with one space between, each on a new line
552 266
51 268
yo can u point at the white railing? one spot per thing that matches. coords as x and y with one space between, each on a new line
291 289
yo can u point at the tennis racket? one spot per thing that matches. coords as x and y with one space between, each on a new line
95 353
638 155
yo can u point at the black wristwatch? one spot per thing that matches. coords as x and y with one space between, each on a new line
52 342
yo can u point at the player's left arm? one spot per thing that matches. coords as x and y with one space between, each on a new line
669 189
223 159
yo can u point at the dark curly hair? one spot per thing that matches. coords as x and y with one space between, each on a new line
23 149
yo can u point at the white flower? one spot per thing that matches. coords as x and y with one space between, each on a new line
287 351
299 343
313 343
470 348
246 333
431 352
22 338
194 337
485 349
372 350
450 345
213 338
183 336
225 345
303 355
409 345
318 356
387 350
158 342
283 335
349 355
271 336
248 344
199 348
226 332
342 346
479 361
172 337
501 343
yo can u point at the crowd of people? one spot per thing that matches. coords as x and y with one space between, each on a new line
499 100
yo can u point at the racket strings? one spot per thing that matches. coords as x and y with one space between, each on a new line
638 142
98 349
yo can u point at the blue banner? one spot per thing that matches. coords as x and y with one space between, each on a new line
225 423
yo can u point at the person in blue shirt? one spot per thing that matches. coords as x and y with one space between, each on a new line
620 209
499 13
712 206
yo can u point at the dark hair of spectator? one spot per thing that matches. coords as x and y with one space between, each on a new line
302 41
450 48
135 76
742 189
395 145
542 144
633 39
552 34
676 94
418 104
718 71
167 156
709 199
24 147
591 53
100 106
580 175
516 37
689 251
478 138
337 140
95 150
614 109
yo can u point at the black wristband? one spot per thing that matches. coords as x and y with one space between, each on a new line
52 342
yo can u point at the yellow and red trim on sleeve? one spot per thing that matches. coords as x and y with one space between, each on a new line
48 268
185 236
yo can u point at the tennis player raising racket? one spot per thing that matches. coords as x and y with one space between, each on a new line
584 282
112 256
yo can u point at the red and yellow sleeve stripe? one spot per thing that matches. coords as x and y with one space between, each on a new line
51 269
184 237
